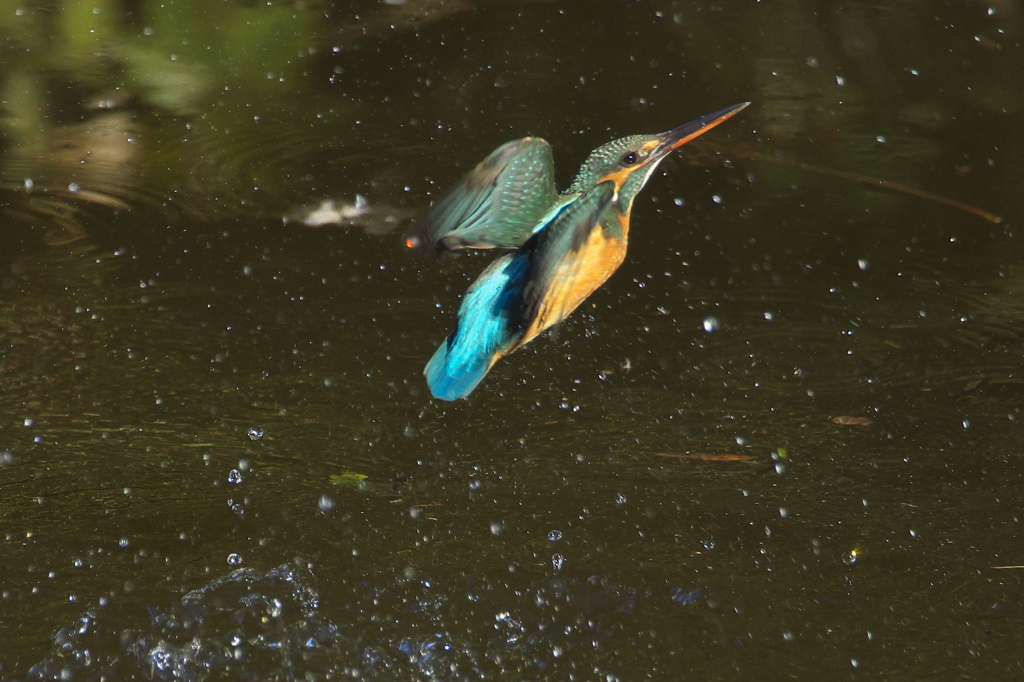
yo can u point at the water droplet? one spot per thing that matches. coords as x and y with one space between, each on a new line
863 263
234 559
555 535
255 432
124 542
74 188
717 198
620 499
235 476
768 316
850 557
711 324
326 503
29 422
679 201
840 81
475 484
787 636
557 561
416 512
29 185
497 528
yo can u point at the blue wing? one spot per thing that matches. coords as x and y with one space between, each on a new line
485 330
498 203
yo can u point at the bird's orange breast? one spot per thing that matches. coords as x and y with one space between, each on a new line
579 274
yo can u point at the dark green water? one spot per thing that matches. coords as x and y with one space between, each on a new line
826 484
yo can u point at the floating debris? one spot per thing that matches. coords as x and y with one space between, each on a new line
374 220
707 457
845 420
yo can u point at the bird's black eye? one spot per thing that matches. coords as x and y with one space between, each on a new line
629 158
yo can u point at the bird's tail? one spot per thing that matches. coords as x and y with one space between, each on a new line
485 330
455 370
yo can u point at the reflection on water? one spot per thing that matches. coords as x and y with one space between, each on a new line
785 436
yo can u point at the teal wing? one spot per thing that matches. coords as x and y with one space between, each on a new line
500 202
559 244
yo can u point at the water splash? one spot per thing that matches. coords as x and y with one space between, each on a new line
272 625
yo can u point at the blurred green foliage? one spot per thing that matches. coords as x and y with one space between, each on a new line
171 54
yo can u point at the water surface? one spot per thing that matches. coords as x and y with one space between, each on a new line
781 442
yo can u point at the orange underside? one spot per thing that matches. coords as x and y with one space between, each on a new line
578 276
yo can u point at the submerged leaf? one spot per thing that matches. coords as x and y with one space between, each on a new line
704 457
349 479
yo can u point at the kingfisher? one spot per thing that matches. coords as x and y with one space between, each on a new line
559 247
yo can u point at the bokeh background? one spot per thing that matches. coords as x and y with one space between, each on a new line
782 442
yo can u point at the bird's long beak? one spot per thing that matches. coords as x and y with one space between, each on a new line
680 135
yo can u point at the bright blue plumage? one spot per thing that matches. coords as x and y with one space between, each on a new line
565 246
484 331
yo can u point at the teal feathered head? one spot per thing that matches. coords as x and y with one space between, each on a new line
629 161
